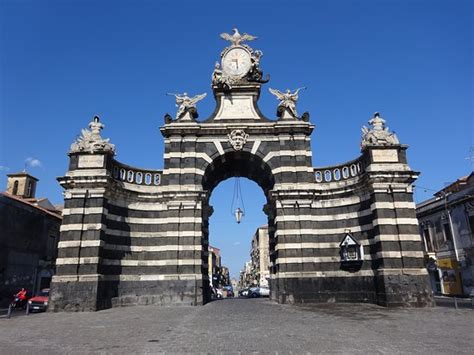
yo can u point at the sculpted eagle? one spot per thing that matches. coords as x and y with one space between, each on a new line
236 39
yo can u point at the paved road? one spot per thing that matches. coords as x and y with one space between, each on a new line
242 326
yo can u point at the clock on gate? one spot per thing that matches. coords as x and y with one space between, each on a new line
236 62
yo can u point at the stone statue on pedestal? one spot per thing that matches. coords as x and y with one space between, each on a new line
187 105
287 101
219 79
91 141
379 134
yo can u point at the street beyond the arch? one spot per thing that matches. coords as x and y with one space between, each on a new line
242 326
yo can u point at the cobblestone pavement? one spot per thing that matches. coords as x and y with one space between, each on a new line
242 326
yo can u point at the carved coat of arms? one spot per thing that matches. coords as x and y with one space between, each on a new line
238 138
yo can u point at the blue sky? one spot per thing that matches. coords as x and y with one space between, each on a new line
61 62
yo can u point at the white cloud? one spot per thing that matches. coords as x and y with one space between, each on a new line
237 243
33 162
4 168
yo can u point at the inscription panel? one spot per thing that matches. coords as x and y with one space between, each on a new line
91 161
385 155
237 108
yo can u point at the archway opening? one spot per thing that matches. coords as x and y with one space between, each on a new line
241 164
232 242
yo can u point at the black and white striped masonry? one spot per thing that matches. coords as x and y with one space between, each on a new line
140 236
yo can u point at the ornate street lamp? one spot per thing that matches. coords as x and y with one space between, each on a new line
238 214
237 202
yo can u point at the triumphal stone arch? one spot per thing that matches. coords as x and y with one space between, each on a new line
342 233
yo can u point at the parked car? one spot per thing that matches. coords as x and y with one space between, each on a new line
255 292
40 301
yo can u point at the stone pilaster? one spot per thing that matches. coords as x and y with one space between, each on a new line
288 279
79 284
395 244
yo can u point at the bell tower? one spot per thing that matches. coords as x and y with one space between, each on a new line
22 185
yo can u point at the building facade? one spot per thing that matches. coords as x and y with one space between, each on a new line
224 276
214 266
29 235
260 257
247 278
142 235
447 229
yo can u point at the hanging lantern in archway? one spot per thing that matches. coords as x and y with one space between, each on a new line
238 214
237 206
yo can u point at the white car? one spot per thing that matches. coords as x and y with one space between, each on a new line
255 292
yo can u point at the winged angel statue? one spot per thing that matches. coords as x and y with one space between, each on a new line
184 103
236 38
287 99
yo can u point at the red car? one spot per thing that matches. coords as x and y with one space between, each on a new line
40 301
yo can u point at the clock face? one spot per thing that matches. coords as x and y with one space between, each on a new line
236 62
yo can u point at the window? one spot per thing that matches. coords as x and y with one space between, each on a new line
148 178
447 232
471 224
437 233
345 172
429 243
138 177
15 187
352 252
353 170
29 192
327 176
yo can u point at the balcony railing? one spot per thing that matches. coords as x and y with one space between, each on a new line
340 172
136 176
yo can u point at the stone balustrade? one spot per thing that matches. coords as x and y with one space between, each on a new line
136 176
340 172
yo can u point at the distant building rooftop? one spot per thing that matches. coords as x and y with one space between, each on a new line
448 194
456 186
34 204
